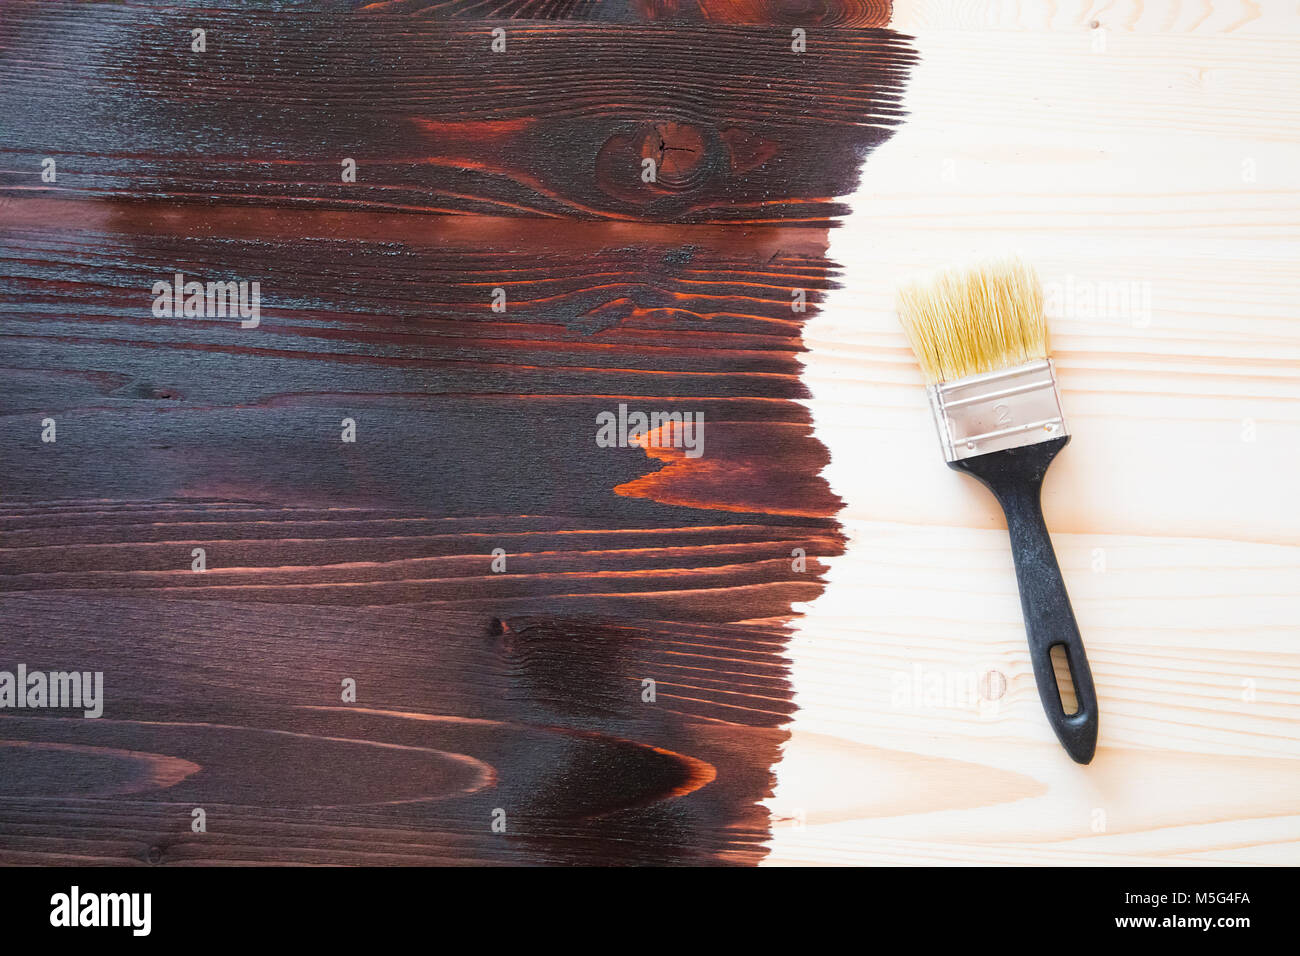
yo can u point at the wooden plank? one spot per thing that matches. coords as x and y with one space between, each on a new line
1152 17
448 398
823 13
481 687
740 126
1158 162
475 431
236 709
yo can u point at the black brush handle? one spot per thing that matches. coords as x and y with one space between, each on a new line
1015 476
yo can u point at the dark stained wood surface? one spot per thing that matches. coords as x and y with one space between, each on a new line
742 127
477 690
796 13
234 708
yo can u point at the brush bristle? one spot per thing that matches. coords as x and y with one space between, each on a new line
967 321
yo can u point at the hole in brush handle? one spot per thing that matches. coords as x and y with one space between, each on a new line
1064 679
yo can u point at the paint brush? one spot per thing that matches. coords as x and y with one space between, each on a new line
981 340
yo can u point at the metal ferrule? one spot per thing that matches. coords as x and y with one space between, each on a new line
1009 408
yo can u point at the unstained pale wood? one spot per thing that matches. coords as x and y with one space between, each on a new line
1153 152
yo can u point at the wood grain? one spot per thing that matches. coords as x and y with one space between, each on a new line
452 723
1150 152
857 13
472 436
479 688
741 127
